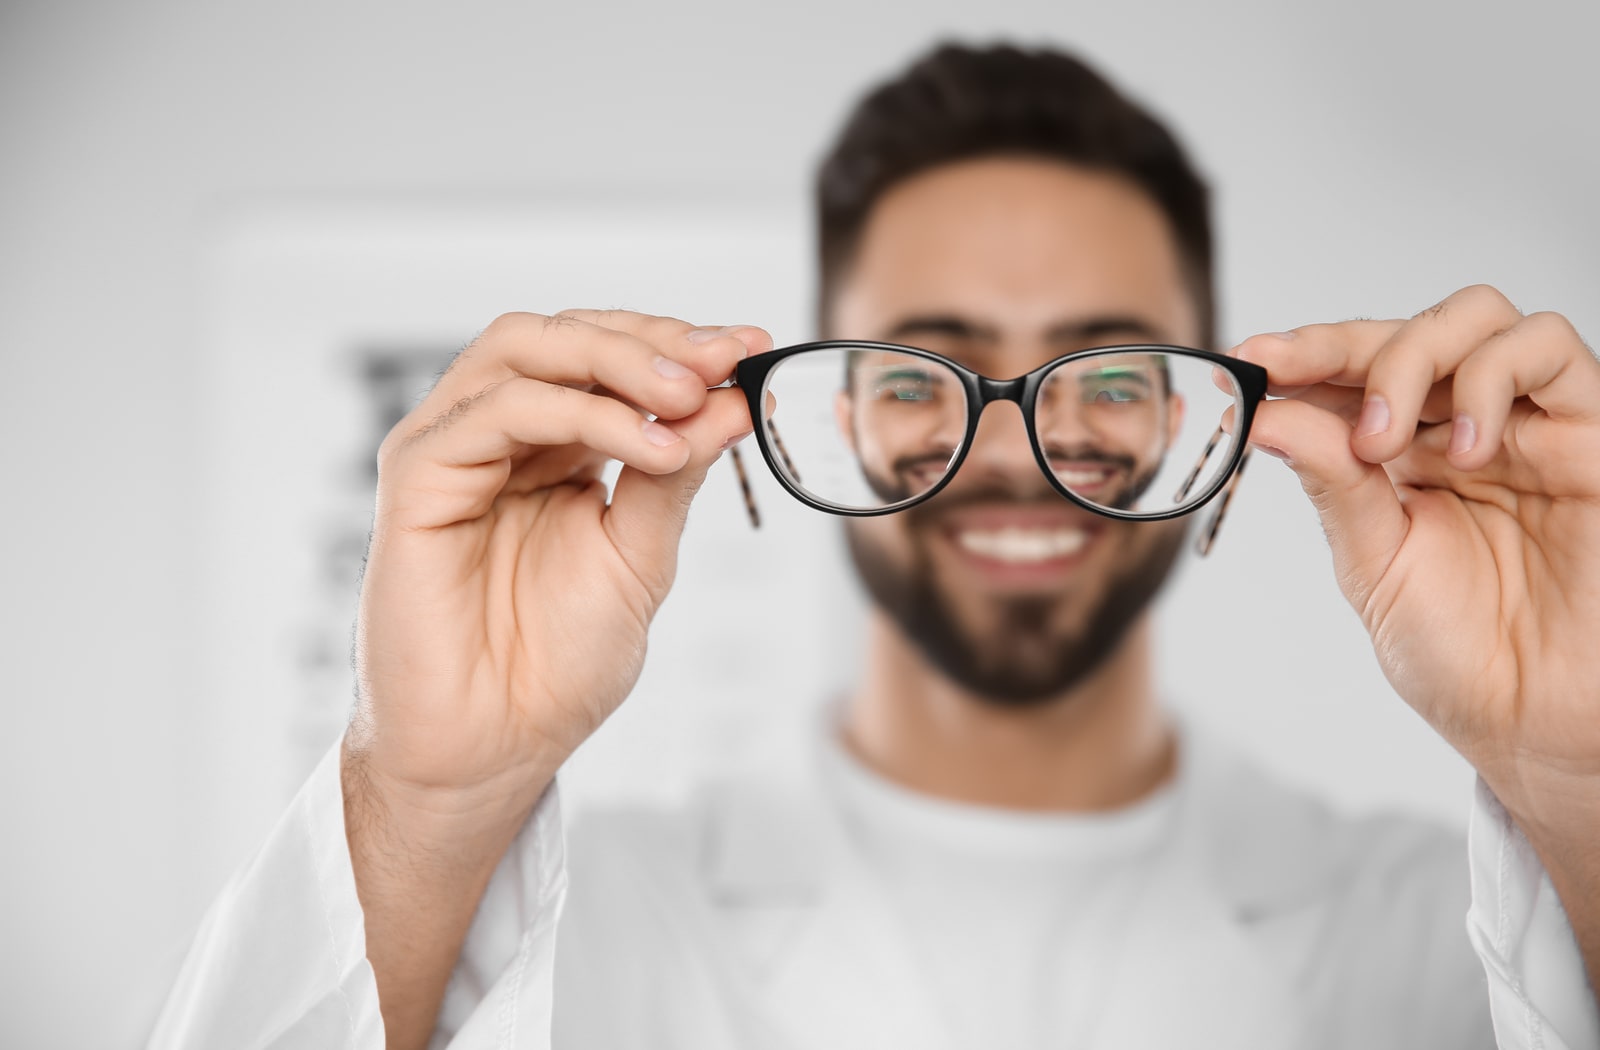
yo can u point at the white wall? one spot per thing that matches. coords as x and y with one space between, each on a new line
1370 158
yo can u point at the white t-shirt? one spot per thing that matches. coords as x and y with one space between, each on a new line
1339 928
1013 916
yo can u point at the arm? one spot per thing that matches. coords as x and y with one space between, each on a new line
420 869
1563 831
1538 992
1454 459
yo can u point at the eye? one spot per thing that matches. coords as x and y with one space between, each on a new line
1111 395
1113 387
906 384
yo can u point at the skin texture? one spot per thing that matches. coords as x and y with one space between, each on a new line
506 604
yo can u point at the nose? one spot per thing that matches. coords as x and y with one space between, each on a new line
1000 447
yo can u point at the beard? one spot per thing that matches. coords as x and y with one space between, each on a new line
1026 659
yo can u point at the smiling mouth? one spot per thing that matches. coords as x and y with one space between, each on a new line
1014 545
1085 475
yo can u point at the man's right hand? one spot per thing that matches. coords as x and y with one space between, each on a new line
505 603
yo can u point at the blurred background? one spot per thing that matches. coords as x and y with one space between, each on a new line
237 241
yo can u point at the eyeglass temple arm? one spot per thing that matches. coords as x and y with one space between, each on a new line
744 478
1208 536
1194 475
744 487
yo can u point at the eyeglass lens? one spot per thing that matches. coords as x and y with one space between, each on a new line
1134 431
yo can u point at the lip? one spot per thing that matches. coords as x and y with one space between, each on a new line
1087 478
1074 534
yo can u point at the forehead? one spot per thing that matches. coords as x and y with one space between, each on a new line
1018 244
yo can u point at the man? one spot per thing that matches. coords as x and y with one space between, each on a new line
998 838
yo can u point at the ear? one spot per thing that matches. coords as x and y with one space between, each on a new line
844 409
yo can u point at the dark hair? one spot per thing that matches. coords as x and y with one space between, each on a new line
958 103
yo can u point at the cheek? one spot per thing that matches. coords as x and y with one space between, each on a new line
884 537
1125 545
1138 431
899 544
1147 540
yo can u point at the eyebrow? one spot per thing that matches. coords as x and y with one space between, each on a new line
1077 331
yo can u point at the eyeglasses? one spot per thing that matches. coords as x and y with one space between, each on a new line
1130 432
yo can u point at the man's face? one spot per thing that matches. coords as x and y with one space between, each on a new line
1004 264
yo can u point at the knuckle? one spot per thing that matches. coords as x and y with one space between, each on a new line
1548 323
1438 310
1482 293
513 325
388 447
558 322
608 317
449 416
1489 300
459 359
398 437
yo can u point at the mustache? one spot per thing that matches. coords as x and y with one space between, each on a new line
1030 490
1085 454
1079 454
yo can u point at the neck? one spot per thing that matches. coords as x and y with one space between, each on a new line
1102 744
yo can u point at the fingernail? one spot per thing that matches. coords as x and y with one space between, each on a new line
1374 417
1463 435
735 439
705 335
660 435
670 369
1276 453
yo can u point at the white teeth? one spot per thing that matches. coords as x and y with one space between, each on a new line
1078 478
1023 545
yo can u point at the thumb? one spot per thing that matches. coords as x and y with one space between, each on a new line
1361 512
648 511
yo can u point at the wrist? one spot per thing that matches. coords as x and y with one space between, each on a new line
443 832
1547 800
1557 810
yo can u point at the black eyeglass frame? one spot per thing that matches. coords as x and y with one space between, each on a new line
752 373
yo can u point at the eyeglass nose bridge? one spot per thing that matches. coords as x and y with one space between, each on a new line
992 390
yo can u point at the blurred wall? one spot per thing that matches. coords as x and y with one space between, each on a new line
1369 158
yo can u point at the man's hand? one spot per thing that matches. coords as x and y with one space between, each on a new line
1455 461
506 601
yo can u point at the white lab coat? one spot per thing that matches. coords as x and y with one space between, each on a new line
748 922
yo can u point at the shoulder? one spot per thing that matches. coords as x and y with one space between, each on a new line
1365 909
